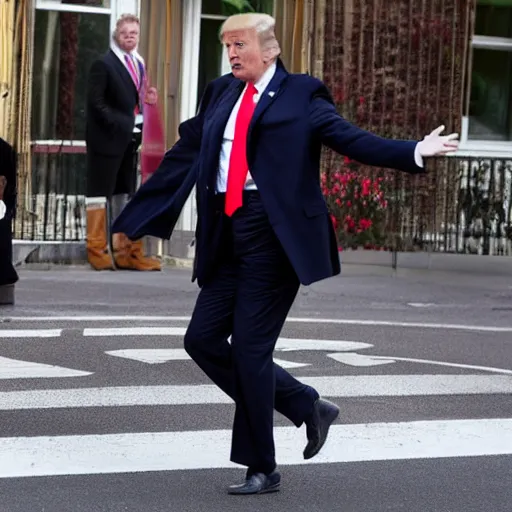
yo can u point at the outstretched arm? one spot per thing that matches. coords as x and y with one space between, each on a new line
156 206
364 147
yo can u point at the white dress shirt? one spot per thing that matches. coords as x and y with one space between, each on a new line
3 209
229 135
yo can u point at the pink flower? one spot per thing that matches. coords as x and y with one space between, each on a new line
365 224
366 187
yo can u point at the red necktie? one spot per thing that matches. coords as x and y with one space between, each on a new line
135 76
238 167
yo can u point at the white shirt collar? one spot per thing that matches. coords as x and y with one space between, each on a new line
120 53
263 82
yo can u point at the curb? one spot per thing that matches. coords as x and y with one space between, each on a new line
34 255
46 255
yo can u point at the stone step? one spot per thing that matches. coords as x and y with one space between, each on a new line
6 295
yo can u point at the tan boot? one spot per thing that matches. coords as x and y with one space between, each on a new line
140 261
97 249
122 251
129 255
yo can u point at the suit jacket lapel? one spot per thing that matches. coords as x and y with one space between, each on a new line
214 128
121 69
274 87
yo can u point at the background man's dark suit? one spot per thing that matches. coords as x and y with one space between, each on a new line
111 145
250 265
8 274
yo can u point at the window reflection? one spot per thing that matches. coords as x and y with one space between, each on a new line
228 7
65 45
489 112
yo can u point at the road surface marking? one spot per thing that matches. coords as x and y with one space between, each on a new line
362 360
136 331
368 360
334 387
30 333
177 451
163 355
307 320
15 369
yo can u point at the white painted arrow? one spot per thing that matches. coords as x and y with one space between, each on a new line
291 344
368 360
15 369
354 359
163 355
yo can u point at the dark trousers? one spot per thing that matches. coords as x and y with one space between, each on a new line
109 175
248 298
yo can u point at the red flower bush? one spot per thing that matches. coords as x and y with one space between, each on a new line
358 206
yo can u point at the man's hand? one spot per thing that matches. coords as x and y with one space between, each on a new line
436 145
151 96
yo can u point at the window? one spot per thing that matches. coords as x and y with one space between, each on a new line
65 46
212 58
488 123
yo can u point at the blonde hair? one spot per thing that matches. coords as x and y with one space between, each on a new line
263 24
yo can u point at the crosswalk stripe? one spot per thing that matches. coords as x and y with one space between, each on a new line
334 387
168 451
306 320
30 333
135 331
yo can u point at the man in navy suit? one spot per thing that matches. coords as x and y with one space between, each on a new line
263 228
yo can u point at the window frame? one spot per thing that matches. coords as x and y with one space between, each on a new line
475 148
54 5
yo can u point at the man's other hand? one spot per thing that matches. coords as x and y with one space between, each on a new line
151 96
436 144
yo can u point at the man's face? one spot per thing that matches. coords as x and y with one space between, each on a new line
128 36
245 54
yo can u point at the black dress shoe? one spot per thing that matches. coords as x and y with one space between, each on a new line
317 427
257 483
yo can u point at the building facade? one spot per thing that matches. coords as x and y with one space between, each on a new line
398 68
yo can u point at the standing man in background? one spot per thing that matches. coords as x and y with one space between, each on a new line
115 99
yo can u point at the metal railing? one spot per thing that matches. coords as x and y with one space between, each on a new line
461 205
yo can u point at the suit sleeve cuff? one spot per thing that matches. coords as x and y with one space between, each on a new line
418 159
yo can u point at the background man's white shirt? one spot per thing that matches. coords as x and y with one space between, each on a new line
3 209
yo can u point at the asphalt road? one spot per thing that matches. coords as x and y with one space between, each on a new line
100 410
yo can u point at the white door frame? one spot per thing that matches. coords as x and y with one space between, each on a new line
189 80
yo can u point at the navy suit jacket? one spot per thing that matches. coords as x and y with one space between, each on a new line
285 138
